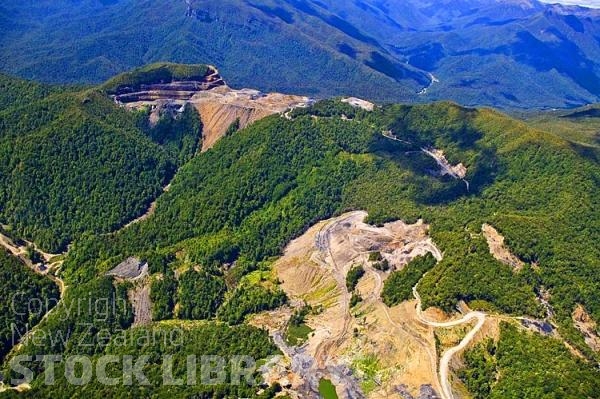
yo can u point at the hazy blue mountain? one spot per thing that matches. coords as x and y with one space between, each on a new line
512 53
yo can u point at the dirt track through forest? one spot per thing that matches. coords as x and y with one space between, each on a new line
444 371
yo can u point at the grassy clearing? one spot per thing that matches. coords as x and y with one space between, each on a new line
321 294
327 389
369 369
297 335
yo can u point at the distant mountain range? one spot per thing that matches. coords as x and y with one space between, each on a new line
509 54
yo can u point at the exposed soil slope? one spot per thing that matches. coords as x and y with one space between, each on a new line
588 327
219 108
498 250
219 105
313 270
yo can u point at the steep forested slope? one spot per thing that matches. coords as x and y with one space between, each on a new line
230 210
532 366
73 161
24 299
258 189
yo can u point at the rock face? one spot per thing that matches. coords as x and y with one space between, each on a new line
175 90
425 392
588 327
219 105
130 269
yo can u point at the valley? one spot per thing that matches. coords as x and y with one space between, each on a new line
512 54
335 240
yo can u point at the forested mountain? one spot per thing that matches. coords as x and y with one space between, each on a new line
258 189
507 53
74 162
20 287
279 54
581 125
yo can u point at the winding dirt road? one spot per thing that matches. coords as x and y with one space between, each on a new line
20 252
149 212
447 357
325 258
427 347
337 245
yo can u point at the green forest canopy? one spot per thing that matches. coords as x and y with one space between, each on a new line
72 162
243 200
24 299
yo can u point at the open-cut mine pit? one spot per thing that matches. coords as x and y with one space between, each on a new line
219 105
369 350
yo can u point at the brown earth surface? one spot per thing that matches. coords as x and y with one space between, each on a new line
219 108
313 270
498 250
369 350
139 297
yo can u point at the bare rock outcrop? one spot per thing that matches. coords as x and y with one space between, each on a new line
131 269
455 171
168 90
359 103
219 108
588 327
498 250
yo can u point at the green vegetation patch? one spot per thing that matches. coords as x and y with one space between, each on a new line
353 277
154 73
369 369
527 365
178 341
247 299
25 297
162 294
199 295
297 334
398 287
297 331
327 389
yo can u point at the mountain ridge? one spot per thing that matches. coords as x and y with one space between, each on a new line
210 246
520 54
